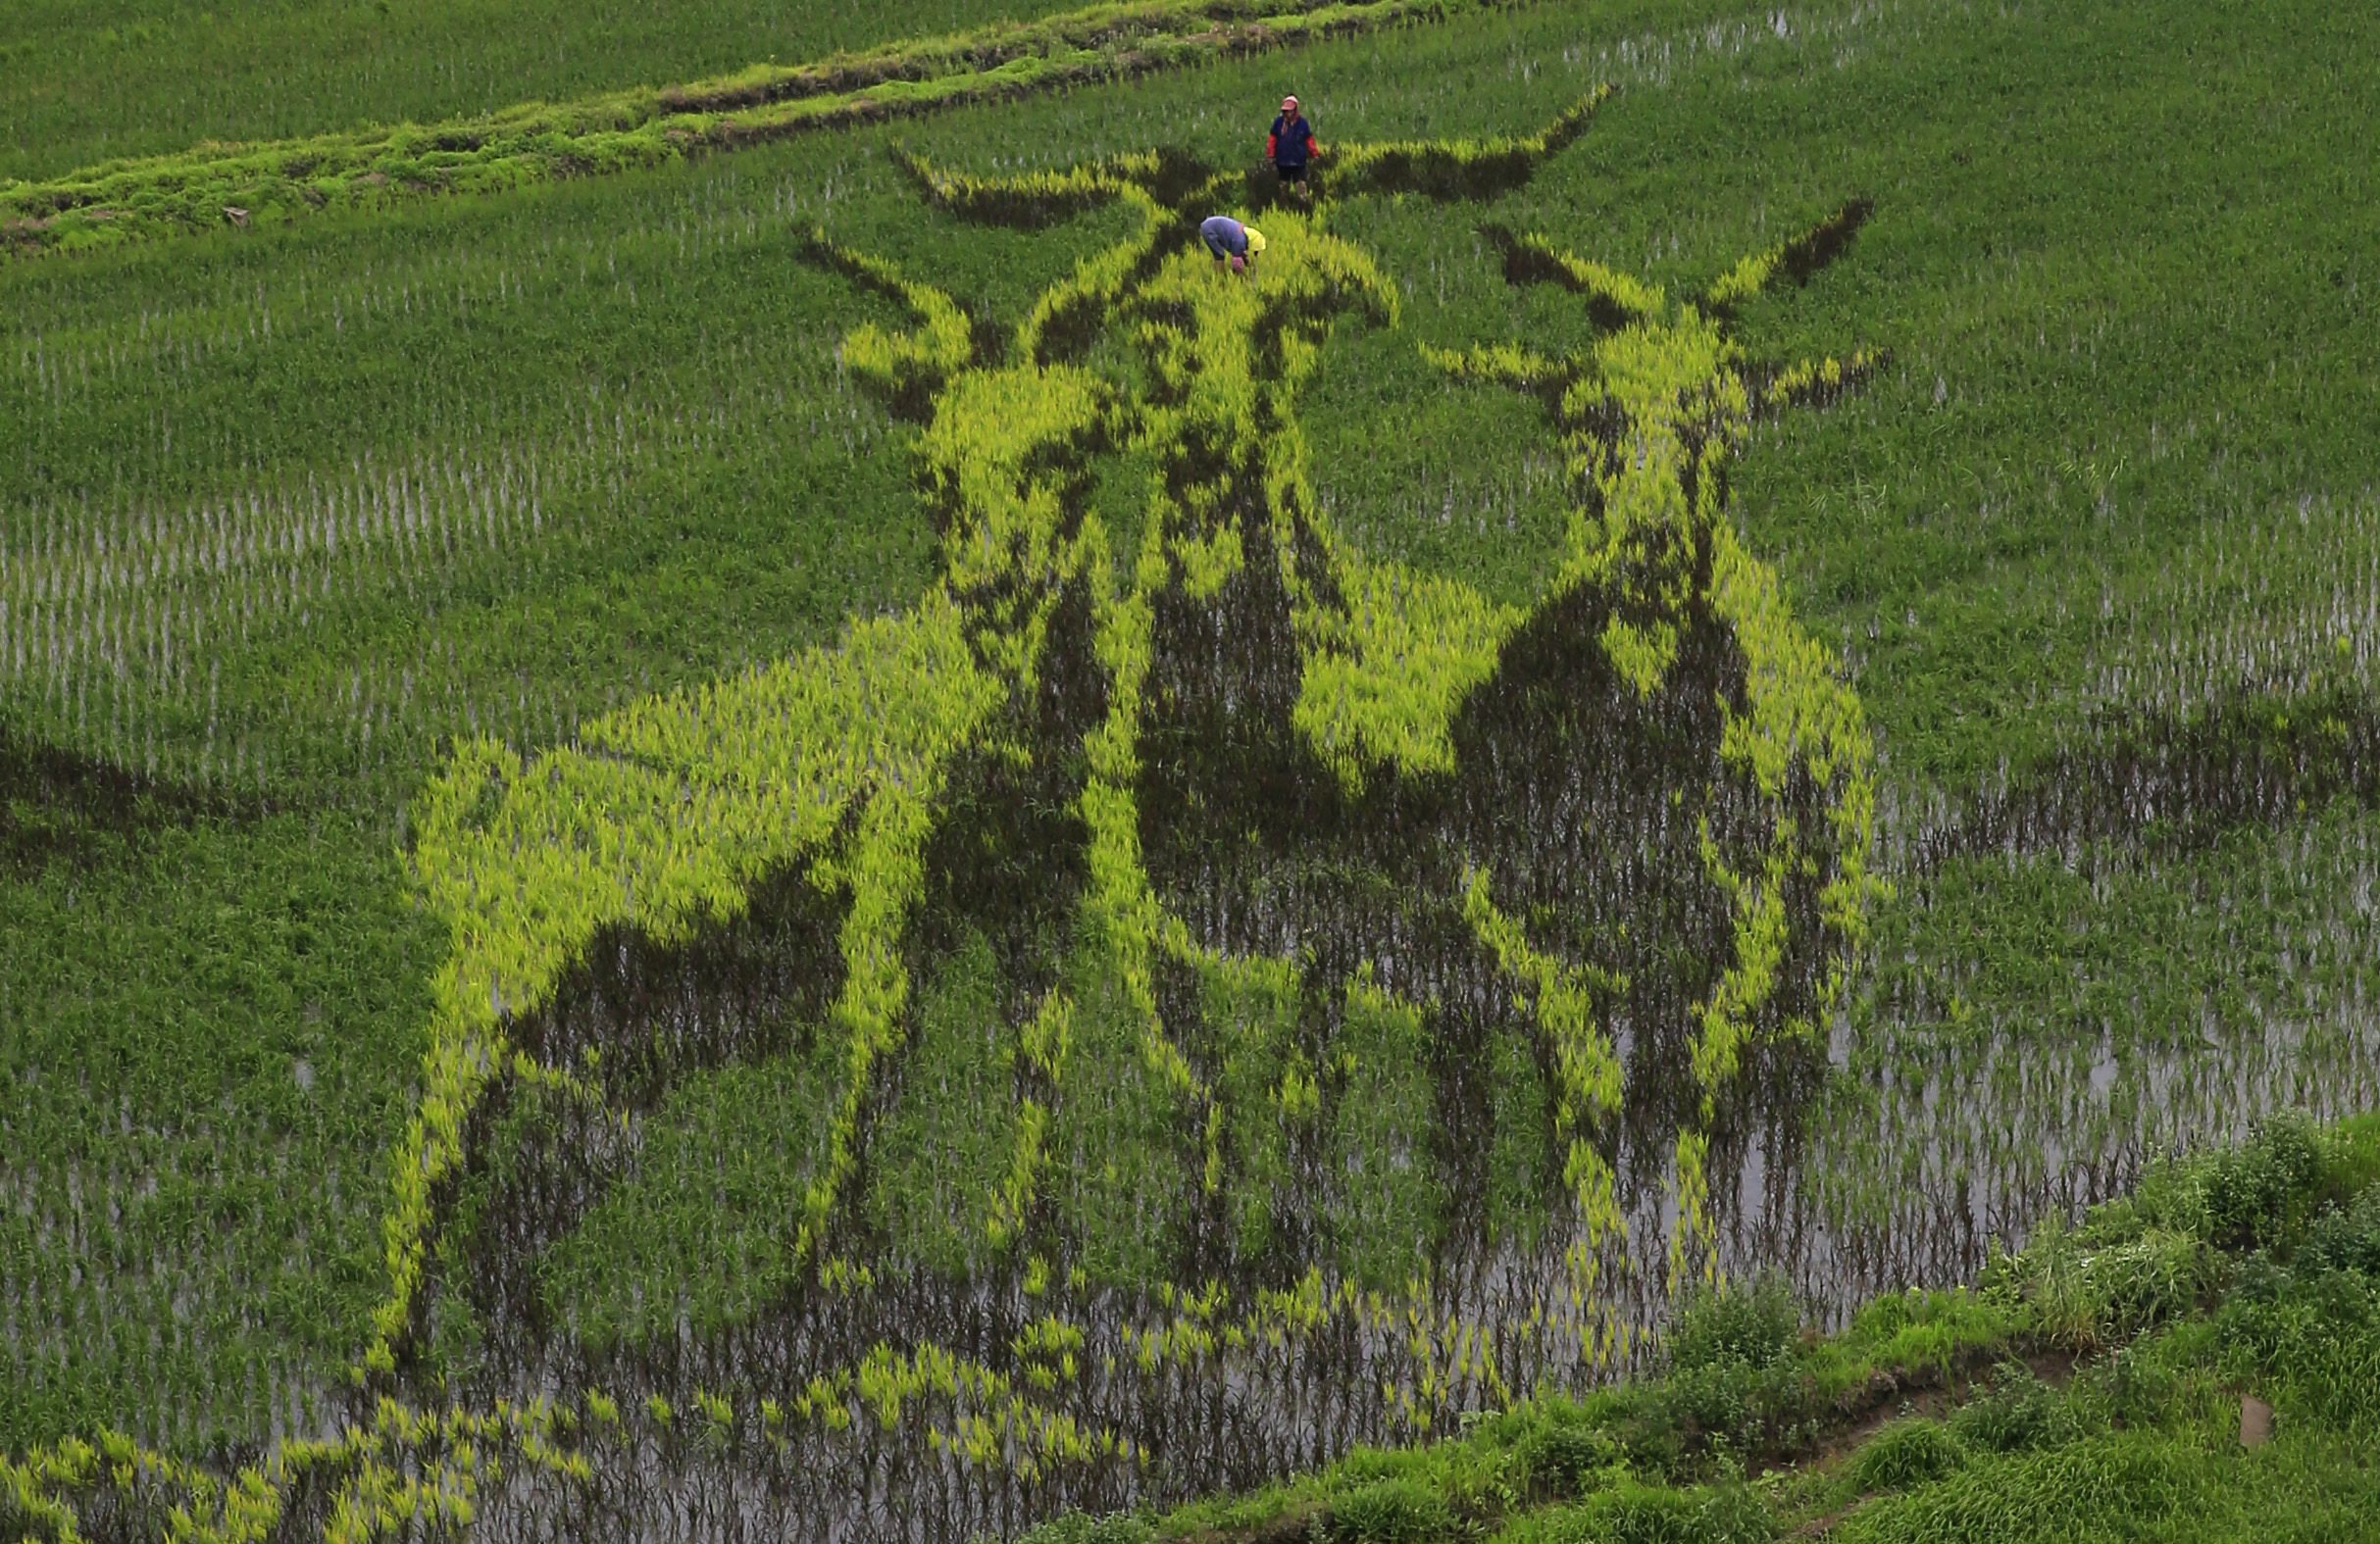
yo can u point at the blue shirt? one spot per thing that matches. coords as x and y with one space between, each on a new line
1223 235
1292 139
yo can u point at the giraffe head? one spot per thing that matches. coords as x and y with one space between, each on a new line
1666 367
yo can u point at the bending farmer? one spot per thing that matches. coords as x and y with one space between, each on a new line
1231 242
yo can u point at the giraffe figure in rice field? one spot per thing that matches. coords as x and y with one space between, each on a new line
1624 828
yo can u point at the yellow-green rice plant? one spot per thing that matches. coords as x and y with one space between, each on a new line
1458 168
1648 418
1586 1073
395 1471
664 817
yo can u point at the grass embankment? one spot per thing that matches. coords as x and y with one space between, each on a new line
238 186
2094 1385
89 80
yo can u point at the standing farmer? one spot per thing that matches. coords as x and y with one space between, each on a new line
1289 145
1231 242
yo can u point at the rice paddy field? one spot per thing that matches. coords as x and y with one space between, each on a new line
729 810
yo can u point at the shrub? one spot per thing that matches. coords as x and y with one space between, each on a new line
2016 1414
1753 1324
2315 1335
1731 1376
2347 1240
1907 1453
2083 1296
1731 1405
1077 1528
2256 1193
2157 1277
1573 1457
1401 1510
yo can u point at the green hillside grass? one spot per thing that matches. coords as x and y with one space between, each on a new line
284 513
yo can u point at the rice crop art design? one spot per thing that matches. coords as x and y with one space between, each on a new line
1233 998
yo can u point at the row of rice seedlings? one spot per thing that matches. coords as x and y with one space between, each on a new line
683 1206
152 1339
70 354
392 1471
134 633
146 601
1963 1098
717 1170
82 368
109 614
173 1206
2284 603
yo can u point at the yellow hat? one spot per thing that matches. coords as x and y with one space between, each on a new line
1255 240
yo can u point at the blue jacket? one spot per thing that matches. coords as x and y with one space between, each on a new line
1222 233
1291 141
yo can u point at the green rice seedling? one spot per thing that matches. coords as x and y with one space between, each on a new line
947 1142
1391 1214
